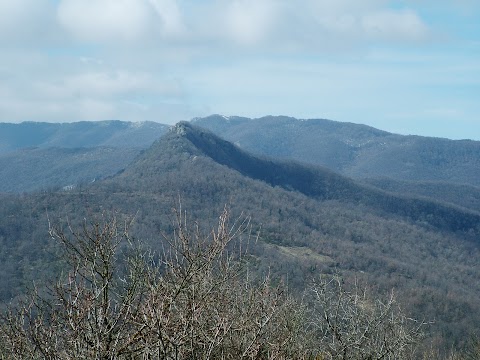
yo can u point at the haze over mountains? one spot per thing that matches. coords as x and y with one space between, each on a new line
310 219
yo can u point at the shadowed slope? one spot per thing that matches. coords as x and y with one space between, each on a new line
314 182
354 150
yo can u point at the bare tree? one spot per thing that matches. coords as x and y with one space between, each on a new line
352 325
204 304
472 351
87 313
194 300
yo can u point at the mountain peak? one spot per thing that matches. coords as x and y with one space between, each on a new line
181 128
189 149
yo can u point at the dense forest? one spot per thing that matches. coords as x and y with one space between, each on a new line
196 299
307 222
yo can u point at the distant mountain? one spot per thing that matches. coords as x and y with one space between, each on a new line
310 221
354 150
36 169
84 134
312 181
27 152
39 156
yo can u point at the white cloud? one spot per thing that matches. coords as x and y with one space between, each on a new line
268 25
124 22
90 84
168 60
170 15
106 84
342 6
67 88
12 11
250 22
395 25
369 20
104 20
26 22
228 27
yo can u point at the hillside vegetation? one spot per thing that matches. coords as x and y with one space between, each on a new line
41 156
445 170
196 299
310 222
354 150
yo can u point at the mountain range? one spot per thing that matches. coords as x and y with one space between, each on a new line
84 134
310 221
358 151
39 156
441 169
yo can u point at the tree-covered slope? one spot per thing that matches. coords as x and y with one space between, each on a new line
466 196
354 150
310 222
36 169
39 156
314 182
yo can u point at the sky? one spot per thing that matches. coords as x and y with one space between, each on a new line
409 67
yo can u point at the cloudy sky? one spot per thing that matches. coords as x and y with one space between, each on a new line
411 67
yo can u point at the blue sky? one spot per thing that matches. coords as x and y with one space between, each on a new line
410 67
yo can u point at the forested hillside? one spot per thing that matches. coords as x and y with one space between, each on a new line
310 221
38 169
467 196
354 150
86 151
42 156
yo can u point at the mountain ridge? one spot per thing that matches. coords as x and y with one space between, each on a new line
39 156
82 134
312 181
358 151
421 248
355 150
